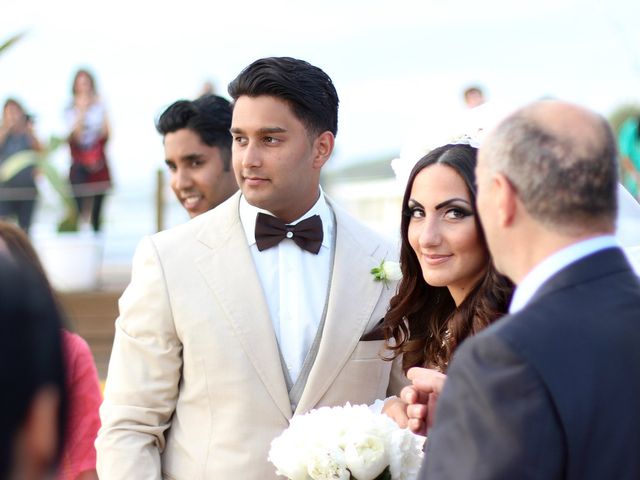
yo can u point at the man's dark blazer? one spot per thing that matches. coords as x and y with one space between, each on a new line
550 392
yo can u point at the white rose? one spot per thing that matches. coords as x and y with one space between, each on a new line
405 454
392 271
365 455
288 455
328 464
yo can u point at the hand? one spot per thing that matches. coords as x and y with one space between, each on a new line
397 410
421 398
14 119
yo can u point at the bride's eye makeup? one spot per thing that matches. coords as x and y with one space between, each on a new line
413 210
457 213
453 210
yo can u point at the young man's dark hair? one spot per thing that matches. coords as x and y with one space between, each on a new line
308 90
209 116
31 373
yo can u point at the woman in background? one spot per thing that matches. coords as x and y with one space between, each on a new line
78 459
17 194
449 288
88 135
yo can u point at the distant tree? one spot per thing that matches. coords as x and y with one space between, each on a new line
621 113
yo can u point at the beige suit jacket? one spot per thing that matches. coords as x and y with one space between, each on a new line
195 388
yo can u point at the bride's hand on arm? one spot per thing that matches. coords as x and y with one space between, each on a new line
421 398
397 410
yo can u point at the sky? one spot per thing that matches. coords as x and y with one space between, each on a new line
399 66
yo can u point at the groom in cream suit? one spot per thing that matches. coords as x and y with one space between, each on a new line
259 309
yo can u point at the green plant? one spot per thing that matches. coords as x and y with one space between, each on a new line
4 46
21 160
40 160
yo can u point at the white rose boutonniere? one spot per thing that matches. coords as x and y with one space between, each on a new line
387 272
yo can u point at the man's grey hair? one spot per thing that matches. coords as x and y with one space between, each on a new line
566 182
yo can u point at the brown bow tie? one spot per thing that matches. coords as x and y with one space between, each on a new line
307 234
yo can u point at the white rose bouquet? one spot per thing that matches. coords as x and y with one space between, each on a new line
346 443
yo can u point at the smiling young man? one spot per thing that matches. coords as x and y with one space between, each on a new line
254 311
197 148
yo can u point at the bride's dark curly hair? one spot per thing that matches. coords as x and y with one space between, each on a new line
423 321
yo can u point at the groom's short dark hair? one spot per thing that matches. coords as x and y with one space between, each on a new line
307 89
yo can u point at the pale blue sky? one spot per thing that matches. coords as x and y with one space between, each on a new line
399 66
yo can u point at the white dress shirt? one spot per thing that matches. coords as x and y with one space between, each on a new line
553 264
295 283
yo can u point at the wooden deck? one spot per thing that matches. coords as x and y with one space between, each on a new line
92 314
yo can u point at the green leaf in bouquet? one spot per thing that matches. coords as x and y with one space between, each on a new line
385 475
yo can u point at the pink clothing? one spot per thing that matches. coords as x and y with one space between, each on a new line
83 422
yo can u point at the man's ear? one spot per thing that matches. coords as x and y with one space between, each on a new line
40 430
323 146
506 199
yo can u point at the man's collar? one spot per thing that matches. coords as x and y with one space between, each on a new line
552 265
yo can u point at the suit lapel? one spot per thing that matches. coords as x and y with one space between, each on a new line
230 273
352 299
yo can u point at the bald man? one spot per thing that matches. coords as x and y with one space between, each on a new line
552 390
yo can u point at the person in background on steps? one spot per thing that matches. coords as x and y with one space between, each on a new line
89 132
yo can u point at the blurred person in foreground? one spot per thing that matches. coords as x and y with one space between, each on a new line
550 391
78 459
18 193
253 311
197 147
89 132
32 404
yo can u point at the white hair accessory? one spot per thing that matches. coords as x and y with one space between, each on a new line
465 139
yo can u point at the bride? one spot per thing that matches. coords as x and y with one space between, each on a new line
449 288
425 331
